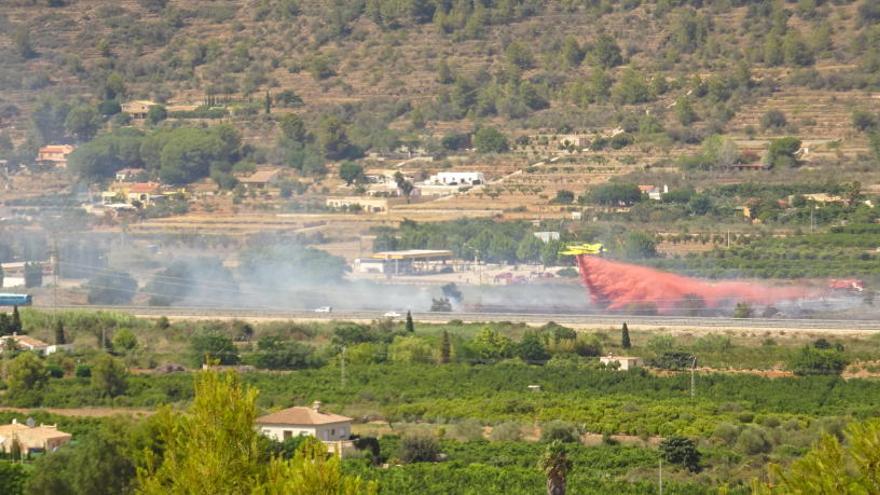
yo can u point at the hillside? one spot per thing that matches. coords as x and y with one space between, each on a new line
408 70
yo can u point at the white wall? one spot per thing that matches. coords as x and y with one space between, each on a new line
339 431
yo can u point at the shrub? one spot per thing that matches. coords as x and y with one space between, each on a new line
560 430
773 119
812 361
506 432
419 448
682 451
752 441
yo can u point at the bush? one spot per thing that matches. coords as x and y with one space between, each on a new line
560 430
419 448
812 361
506 432
682 451
752 441
490 140
773 119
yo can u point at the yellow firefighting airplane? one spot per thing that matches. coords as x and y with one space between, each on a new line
576 249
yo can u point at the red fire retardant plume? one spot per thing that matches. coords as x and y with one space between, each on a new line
618 285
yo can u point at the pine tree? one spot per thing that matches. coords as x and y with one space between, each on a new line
624 337
16 321
410 327
59 333
445 348
268 104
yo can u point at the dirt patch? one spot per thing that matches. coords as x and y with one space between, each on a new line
84 412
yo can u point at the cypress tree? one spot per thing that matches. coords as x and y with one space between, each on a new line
268 104
16 320
410 327
445 348
59 333
624 337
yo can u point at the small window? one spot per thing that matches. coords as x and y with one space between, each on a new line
287 434
332 431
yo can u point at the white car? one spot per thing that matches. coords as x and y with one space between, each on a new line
324 309
392 314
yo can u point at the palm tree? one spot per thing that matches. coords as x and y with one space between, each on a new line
556 466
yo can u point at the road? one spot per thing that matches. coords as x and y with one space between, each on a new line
578 321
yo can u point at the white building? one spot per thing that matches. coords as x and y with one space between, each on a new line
547 236
457 178
623 362
305 421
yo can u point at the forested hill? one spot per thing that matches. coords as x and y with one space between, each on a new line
399 70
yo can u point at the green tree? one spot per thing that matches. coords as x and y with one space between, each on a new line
124 340
814 361
632 88
529 249
111 287
444 73
782 152
490 140
742 310
410 349
572 53
614 194
419 448
684 111
410 326
795 50
874 144
293 128
351 172
531 348
445 348
556 466
832 466
16 326
25 373
606 53
214 448
156 114
109 376
13 478
207 346
639 245
624 337
60 338
519 55
333 139
22 40
82 122
682 451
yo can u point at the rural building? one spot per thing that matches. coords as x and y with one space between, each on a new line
823 198
145 193
261 178
130 174
653 191
138 109
55 154
43 438
305 421
369 205
404 262
547 236
24 342
457 178
624 362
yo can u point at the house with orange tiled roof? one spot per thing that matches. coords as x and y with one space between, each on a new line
55 154
305 421
31 438
23 342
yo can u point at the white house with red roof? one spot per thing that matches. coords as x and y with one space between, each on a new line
305 421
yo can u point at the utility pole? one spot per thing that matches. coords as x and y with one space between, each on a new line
811 220
693 368
728 238
661 475
342 368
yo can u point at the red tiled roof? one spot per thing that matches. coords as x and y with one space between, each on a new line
301 416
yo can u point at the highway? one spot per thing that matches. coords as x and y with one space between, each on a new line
574 320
